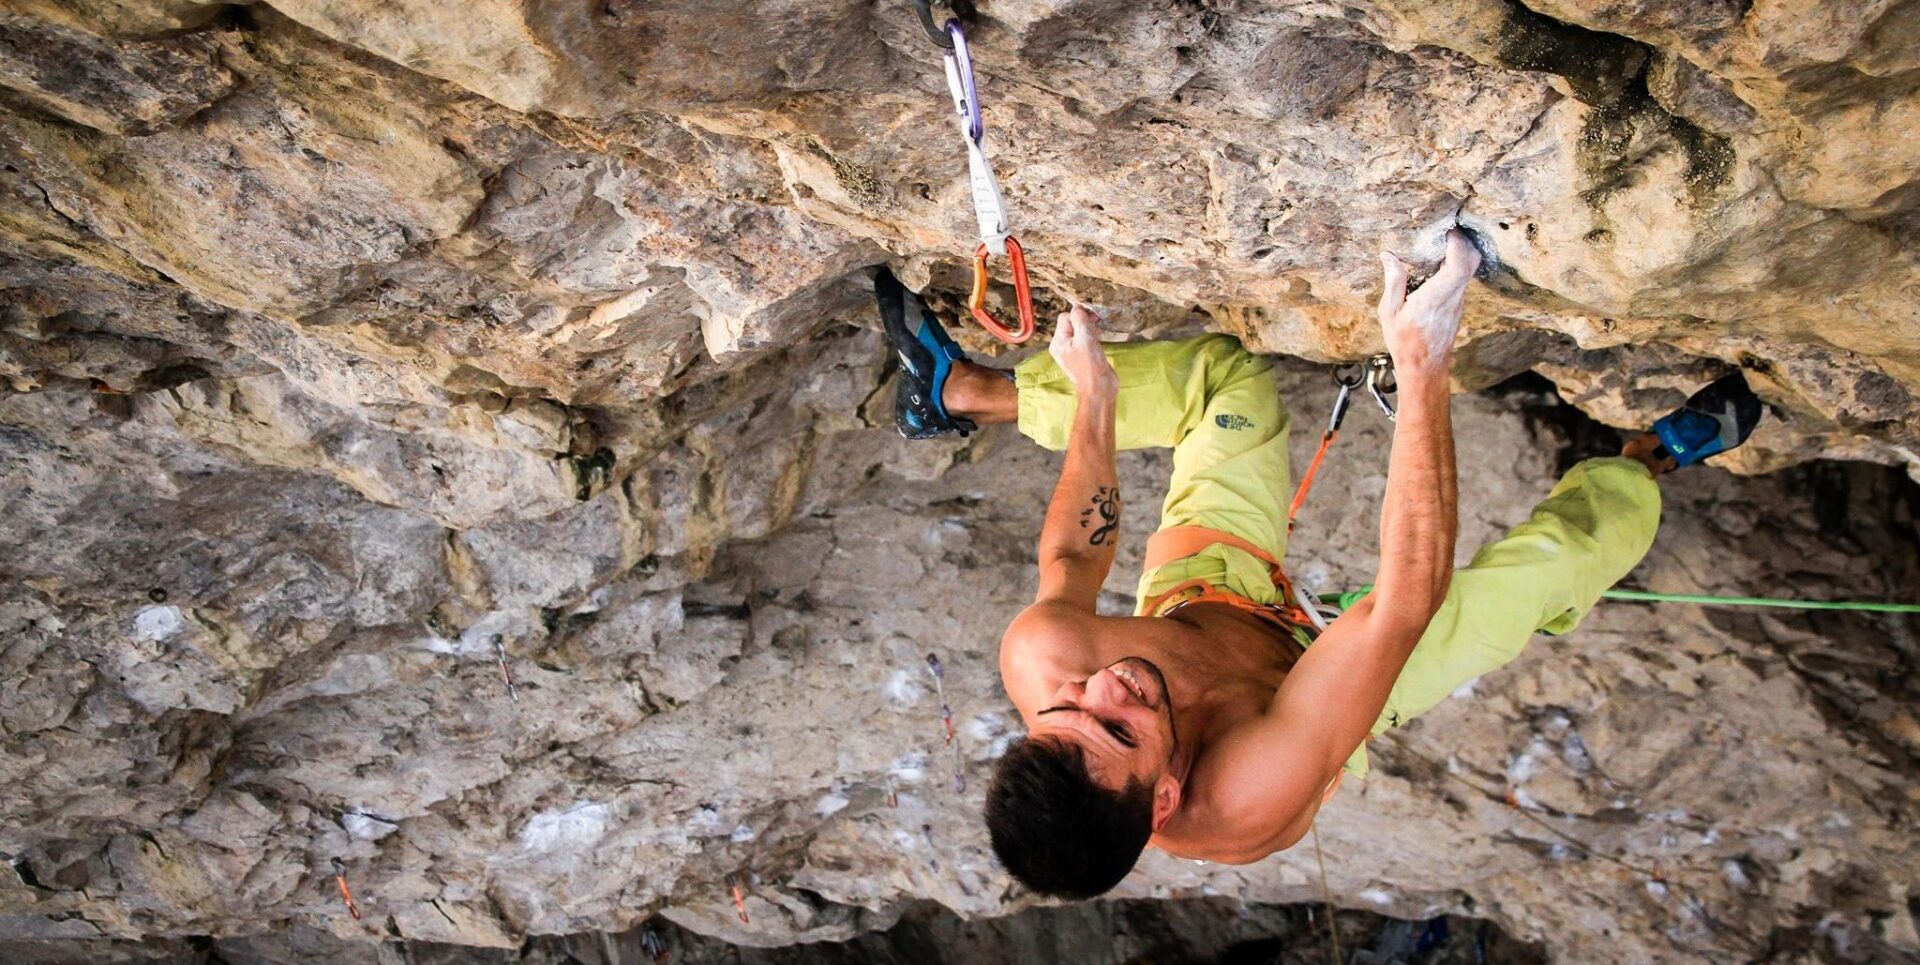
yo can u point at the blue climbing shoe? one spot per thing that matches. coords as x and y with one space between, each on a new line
1715 419
927 356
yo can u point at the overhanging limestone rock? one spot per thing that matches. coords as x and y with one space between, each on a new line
341 339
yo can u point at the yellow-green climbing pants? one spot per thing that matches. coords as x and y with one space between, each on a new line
1215 403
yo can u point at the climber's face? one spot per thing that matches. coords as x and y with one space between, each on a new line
1122 719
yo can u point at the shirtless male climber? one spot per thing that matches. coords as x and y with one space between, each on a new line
1213 724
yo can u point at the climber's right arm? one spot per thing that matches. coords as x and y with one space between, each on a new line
1336 691
1278 769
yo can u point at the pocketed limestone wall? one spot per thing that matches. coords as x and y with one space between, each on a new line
346 346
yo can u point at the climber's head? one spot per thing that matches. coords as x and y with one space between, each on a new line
1072 806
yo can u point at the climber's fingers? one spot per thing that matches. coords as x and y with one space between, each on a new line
1086 318
1061 345
1443 294
1393 294
1463 259
1076 347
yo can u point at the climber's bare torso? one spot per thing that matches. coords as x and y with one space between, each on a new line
1222 668
1197 714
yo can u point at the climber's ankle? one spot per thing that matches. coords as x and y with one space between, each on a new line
982 394
1646 448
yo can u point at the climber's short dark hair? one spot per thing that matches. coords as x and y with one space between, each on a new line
1058 832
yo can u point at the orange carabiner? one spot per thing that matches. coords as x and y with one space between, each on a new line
977 303
346 893
739 900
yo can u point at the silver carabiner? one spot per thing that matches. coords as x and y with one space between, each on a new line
1348 378
1380 383
925 9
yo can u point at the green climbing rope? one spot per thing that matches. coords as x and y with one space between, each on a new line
1347 599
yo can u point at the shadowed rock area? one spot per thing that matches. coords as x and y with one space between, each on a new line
350 351
1103 933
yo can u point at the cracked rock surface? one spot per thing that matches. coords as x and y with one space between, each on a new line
350 350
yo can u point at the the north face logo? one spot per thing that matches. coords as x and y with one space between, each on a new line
1227 420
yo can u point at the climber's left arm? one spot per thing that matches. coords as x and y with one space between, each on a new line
1083 521
1057 636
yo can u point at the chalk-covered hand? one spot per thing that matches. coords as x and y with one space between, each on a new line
1420 327
1076 346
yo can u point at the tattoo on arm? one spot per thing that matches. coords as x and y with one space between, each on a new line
1106 501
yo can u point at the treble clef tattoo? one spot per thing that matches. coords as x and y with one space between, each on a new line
1106 499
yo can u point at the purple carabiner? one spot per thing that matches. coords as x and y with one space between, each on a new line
964 60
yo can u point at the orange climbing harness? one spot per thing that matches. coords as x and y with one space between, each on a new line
1290 615
1180 542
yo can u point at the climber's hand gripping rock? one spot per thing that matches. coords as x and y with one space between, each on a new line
1076 346
1420 327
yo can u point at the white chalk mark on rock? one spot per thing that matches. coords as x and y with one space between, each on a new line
366 827
158 622
573 827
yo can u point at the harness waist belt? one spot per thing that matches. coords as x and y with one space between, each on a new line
1180 542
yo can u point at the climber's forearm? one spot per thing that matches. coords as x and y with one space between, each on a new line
1419 519
1330 700
1083 520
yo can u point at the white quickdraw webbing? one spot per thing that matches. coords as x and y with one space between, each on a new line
989 207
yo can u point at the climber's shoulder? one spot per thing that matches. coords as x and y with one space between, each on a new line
1234 813
1041 646
1051 642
